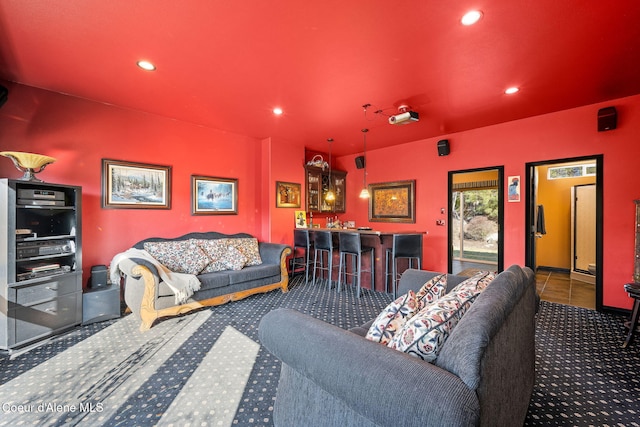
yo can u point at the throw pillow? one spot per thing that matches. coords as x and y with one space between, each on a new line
392 318
179 256
249 248
216 250
234 259
432 290
425 333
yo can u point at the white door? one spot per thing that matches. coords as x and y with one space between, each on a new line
584 227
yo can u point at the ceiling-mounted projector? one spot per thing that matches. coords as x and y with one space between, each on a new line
404 116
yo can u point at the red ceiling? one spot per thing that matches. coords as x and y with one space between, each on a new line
226 64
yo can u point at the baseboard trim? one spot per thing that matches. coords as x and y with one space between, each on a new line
554 269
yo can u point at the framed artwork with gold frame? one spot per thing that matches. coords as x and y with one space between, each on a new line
393 202
288 194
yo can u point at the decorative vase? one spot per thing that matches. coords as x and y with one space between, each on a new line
28 163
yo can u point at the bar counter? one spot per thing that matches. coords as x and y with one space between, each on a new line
380 241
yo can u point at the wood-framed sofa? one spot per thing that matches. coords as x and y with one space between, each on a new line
150 297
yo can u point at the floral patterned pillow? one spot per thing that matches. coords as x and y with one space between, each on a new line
432 290
249 248
392 318
216 250
234 259
425 333
230 254
179 256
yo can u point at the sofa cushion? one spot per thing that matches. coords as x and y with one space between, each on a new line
178 256
253 273
213 280
433 289
392 318
425 333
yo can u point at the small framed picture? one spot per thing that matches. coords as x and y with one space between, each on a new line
301 219
513 191
214 196
287 195
129 185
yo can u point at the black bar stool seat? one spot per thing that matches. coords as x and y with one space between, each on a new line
323 246
405 246
301 253
633 289
351 247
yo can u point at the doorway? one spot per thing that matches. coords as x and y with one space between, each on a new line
476 205
564 205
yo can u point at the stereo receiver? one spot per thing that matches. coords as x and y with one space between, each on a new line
53 247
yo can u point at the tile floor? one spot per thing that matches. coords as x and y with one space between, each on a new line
557 287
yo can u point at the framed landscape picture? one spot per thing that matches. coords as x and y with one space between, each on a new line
393 201
214 196
129 185
287 195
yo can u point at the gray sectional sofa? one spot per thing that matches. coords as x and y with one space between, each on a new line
150 298
483 375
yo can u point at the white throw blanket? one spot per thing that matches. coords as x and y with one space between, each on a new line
183 285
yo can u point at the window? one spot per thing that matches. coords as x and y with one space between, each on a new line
572 171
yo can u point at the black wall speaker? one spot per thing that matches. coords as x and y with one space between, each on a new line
3 95
607 119
360 162
443 147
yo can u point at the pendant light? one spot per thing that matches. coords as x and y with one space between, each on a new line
330 196
364 194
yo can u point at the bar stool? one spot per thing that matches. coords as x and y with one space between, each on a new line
351 246
405 246
323 246
633 289
301 252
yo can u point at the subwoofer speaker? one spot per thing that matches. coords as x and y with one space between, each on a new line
443 147
4 92
360 162
607 119
98 276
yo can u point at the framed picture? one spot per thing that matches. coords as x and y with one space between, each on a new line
214 196
301 219
513 191
128 185
393 201
287 195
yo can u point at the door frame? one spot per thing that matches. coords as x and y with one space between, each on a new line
530 239
500 170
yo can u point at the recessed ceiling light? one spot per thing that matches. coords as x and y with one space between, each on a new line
146 65
471 17
277 111
511 90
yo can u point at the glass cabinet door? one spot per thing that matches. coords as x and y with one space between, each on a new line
314 187
318 182
339 186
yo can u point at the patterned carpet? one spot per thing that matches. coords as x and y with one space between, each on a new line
207 368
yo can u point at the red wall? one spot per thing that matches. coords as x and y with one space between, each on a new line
79 133
566 134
